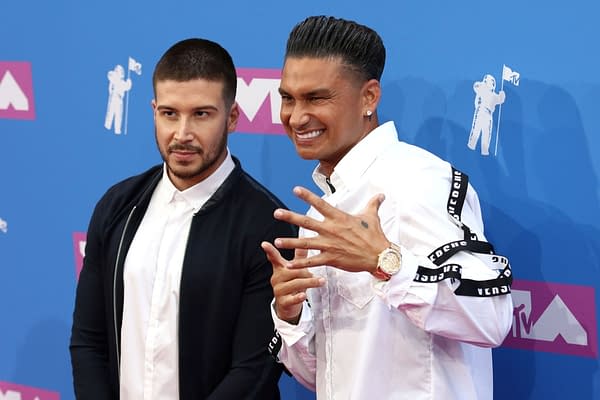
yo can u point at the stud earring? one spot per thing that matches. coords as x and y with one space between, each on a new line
369 114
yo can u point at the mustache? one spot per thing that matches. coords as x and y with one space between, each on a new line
184 147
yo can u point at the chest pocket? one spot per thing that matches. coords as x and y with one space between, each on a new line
355 287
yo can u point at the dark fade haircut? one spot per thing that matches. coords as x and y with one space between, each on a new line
196 58
357 46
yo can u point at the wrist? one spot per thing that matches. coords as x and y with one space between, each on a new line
289 317
374 260
389 262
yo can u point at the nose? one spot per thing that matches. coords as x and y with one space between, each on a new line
183 130
298 116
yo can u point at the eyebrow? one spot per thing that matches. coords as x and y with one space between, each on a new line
314 92
201 108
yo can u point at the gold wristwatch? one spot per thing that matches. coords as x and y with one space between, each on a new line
389 263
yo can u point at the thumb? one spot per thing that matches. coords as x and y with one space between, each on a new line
273 255
374 204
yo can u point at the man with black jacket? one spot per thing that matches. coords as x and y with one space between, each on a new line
173 298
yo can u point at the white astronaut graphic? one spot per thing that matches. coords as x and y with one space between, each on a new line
3 225
486 100
118 88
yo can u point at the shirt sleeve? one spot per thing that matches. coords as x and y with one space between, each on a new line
297 351
420 228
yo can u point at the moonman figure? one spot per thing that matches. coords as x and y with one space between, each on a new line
117 87
486 100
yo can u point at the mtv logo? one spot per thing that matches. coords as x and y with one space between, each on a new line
16 90
12 391
259 100
556 318
79 241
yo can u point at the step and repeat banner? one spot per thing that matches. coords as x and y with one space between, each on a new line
509 92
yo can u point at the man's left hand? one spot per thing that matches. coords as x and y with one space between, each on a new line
345 241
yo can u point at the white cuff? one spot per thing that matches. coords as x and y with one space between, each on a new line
290 333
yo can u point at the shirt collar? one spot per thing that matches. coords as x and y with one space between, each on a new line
198 194
358 159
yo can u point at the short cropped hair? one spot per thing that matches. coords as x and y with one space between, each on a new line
195 58
357 46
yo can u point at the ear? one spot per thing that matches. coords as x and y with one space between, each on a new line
232 119
371 94
153 104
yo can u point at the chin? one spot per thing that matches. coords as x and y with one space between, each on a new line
307 155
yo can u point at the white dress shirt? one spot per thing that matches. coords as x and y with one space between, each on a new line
149 334
363 340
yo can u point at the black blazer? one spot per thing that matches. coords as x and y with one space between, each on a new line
225 294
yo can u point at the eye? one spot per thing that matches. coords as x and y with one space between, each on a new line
316 99
201 114
168 113
286 99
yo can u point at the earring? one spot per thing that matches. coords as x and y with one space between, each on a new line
369 114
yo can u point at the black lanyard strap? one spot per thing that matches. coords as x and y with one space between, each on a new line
467 287
444 252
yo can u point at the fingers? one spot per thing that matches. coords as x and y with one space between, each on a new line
274 256
290 282
300 260
302 244
289 285
326 209
301 247
290 291
301 279
300 253
293 218
308 262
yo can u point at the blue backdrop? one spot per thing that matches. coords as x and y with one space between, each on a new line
538 186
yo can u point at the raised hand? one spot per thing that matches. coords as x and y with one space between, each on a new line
289 285
345 241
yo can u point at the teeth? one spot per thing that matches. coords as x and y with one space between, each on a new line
309 135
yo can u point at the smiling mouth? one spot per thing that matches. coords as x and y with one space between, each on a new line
309 135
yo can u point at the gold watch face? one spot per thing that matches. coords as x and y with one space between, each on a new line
390 261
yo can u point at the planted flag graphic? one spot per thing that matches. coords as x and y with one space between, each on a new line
135 66
509 75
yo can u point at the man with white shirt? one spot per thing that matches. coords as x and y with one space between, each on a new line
172 301
393 292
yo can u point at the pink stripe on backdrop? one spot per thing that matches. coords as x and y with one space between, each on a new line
552 317
13 391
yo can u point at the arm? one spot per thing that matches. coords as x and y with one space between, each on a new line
292 315
420 224
436 307
88 345
254 374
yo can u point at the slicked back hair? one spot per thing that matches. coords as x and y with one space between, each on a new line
357 46
196 58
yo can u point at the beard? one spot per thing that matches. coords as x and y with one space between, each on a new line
208 164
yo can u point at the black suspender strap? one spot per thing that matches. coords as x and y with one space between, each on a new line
467 287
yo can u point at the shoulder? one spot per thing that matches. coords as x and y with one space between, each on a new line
258 192
131 189
249 190
253 204
412 176
410 163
